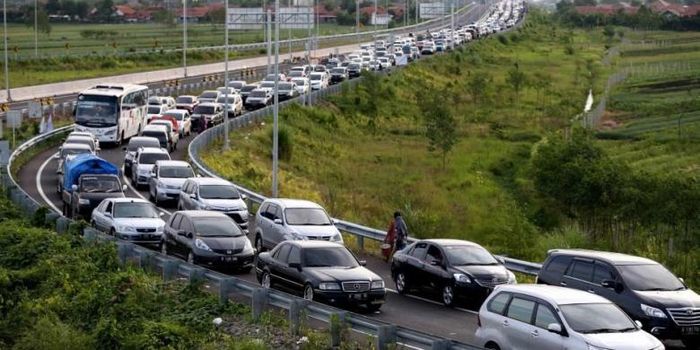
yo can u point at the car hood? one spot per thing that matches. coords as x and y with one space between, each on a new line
144 168
671 299
227 243
140 222
200 115
307 230
359 273
172 181
225 204
97 197
623 341
484 271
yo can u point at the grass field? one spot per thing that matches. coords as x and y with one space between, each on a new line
363 173
656 111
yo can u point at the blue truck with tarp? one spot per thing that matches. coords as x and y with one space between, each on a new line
86 180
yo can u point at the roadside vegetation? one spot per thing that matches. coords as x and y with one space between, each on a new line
62 292
366 152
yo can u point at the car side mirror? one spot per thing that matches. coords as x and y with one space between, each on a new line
243 196
189 235
74 187
57 156
152 174
161 214
123 188
639 324
682 280
363 262
277 221
501 260
435 263
295 265
554 328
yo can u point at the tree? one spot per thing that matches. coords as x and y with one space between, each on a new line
477 85
217 16
105 9
585 2
517 80
53 7
165 18
609 32
42 20
440 124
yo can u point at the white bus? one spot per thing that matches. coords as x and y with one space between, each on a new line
112 112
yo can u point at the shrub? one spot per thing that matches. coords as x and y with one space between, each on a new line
284 139
503 39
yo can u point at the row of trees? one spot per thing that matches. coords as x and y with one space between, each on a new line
644 18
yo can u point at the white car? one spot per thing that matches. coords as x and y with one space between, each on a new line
155 111
174 134
528 316
184 120
166 101
235 104
236 85
225 90
210 193
167 178
144 160
131 219
209 96
302 85
318 81
279 220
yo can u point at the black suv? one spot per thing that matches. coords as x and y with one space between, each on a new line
646 290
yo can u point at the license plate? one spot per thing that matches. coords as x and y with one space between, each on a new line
229 258
359 296
694 330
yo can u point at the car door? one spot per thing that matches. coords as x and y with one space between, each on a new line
579 275
170 232
107 217
517 326
274 232
433 273
185 199
186 241
294 276
152 181
279 261
98 216
413 268
543 339
604 272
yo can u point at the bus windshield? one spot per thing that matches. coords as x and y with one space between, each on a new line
96 111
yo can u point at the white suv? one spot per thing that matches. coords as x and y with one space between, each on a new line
144 161
528 316
167 178
279 220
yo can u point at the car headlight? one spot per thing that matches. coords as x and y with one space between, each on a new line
329 286
160 185
652 311
462 278
511 278
142 171
337 238
160 229
660 347
82 201
593 347
126 228
201 245
377 284
205 207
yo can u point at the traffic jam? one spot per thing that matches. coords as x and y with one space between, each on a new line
580 300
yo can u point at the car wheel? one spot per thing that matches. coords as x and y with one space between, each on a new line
492 346
259 244
266 281
448 295
112 232
190 258
246 269
372 308
401 283
93 224
308 292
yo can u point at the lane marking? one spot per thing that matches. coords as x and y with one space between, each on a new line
133 189
41 189
432 301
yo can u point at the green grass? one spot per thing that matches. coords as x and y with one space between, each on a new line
364 173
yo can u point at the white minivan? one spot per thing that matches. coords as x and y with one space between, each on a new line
535 316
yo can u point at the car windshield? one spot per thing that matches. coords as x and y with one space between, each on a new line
101 184
134 144
249 88
184 99
354 66
218 192
596 318
469 255
153 110
135 210
177 116
96 110
223 100
177 172
268 84
285 86
216 227
306 216
649 277
160 135
298 81
209 94
316 76
80 140
338 70
296 73
258 93
204 109
166 123
151 158
329 256
236 84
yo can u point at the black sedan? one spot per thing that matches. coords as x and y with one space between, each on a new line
207 238
321 271
450 268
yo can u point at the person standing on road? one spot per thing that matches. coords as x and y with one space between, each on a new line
401 231
389 240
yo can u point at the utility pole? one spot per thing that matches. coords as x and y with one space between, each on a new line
227 144
7 70
269 41
276 107
417 6
289 33
184 37
374 20
452 24
357 20
36 30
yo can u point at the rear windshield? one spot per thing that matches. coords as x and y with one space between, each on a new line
204 110
73 151
177 116
157 134
176 172
151 158
249 88
135 144
209 94
100 184
216 227
184 99
153 109
258 93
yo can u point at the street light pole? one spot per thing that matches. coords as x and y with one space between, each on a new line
289 33
227 144
357 20
7 70
269 41
184 37
275 107
36 30
452 24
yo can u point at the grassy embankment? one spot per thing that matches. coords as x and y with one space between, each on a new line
653 121
61 292
364 154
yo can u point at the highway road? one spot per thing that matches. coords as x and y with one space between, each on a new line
38 178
